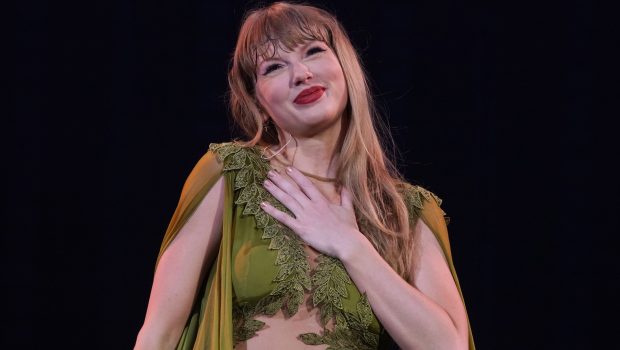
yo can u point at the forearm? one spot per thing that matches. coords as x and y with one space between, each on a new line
413 320
150 338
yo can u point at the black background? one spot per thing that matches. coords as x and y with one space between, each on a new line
489 103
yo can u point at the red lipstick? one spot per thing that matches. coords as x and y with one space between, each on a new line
309 95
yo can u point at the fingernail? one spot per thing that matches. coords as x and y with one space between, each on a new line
272 174
263 204
267 183
289 169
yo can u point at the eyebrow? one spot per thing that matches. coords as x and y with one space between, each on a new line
273 58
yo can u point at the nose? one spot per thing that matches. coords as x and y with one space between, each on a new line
301 74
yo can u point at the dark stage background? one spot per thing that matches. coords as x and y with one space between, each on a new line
489 103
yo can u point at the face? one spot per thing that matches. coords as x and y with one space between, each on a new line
303 91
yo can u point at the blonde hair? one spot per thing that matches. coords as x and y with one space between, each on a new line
364 168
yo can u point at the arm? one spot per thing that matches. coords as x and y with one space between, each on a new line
427 314
179 270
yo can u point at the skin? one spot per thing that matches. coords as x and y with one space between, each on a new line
426 314
192 252
316 127
281 78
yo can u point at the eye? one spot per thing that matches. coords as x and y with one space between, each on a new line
272 67
315 49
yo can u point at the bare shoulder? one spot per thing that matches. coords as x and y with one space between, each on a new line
428 254
205 222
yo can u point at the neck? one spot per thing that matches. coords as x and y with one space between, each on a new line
318 154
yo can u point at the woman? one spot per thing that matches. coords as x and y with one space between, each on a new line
304 237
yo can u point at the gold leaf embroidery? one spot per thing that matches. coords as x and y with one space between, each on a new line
351 330
293 277
415 196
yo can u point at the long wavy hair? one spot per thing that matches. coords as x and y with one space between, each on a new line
364 167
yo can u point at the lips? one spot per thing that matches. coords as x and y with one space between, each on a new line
309 95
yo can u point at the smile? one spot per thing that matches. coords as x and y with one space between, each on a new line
309 95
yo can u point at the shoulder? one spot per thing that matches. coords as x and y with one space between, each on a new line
426 205
419 201
223 150
235 155
218 158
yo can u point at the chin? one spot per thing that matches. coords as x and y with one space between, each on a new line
320 117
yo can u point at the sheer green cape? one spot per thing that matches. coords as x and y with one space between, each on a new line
210 323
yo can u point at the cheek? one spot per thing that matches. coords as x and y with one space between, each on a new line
334 71
270 96
265 96
337 76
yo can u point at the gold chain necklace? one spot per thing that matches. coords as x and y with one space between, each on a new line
280 159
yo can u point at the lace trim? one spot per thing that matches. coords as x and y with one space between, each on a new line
244 326
351 330
414 197
293 277
328 284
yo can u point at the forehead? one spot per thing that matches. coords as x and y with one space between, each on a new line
274 49
268 41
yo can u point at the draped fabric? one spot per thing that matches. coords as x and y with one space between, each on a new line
432 215
210 323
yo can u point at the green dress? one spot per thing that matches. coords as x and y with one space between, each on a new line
261 266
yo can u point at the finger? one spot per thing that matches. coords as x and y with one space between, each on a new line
346 200
307 187
289 188
288 201
281 216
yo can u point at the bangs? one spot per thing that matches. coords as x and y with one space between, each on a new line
281 28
